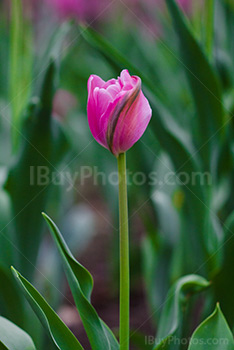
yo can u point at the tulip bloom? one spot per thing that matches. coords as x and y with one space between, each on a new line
118 112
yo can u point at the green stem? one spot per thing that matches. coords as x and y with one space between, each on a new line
124 256
209 13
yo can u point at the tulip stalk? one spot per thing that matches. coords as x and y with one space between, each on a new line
124 255
118 115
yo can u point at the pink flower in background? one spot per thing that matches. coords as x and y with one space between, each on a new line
118 112
142 11
81 9
185 4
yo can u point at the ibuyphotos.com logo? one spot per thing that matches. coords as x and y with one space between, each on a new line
173 340
43 176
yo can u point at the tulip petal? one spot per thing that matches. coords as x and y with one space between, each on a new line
95 81
110 82
129 120
103 98
107 118
126 80
132 124
114 89
93 117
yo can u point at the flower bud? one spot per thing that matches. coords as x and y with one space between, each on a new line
118 112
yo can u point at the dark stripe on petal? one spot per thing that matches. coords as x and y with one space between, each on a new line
127 102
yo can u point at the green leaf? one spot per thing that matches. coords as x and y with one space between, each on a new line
204 85
213 334
81 284
39 154
223 284
156 259
177 299
114 57
2 346
6 236
178 145
138 340
13 337
10 298
62 337
20 66
52 51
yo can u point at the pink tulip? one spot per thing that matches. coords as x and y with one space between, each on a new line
118 112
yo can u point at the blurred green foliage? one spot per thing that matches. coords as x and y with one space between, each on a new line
177 227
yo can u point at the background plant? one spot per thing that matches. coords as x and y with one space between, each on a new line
186 67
